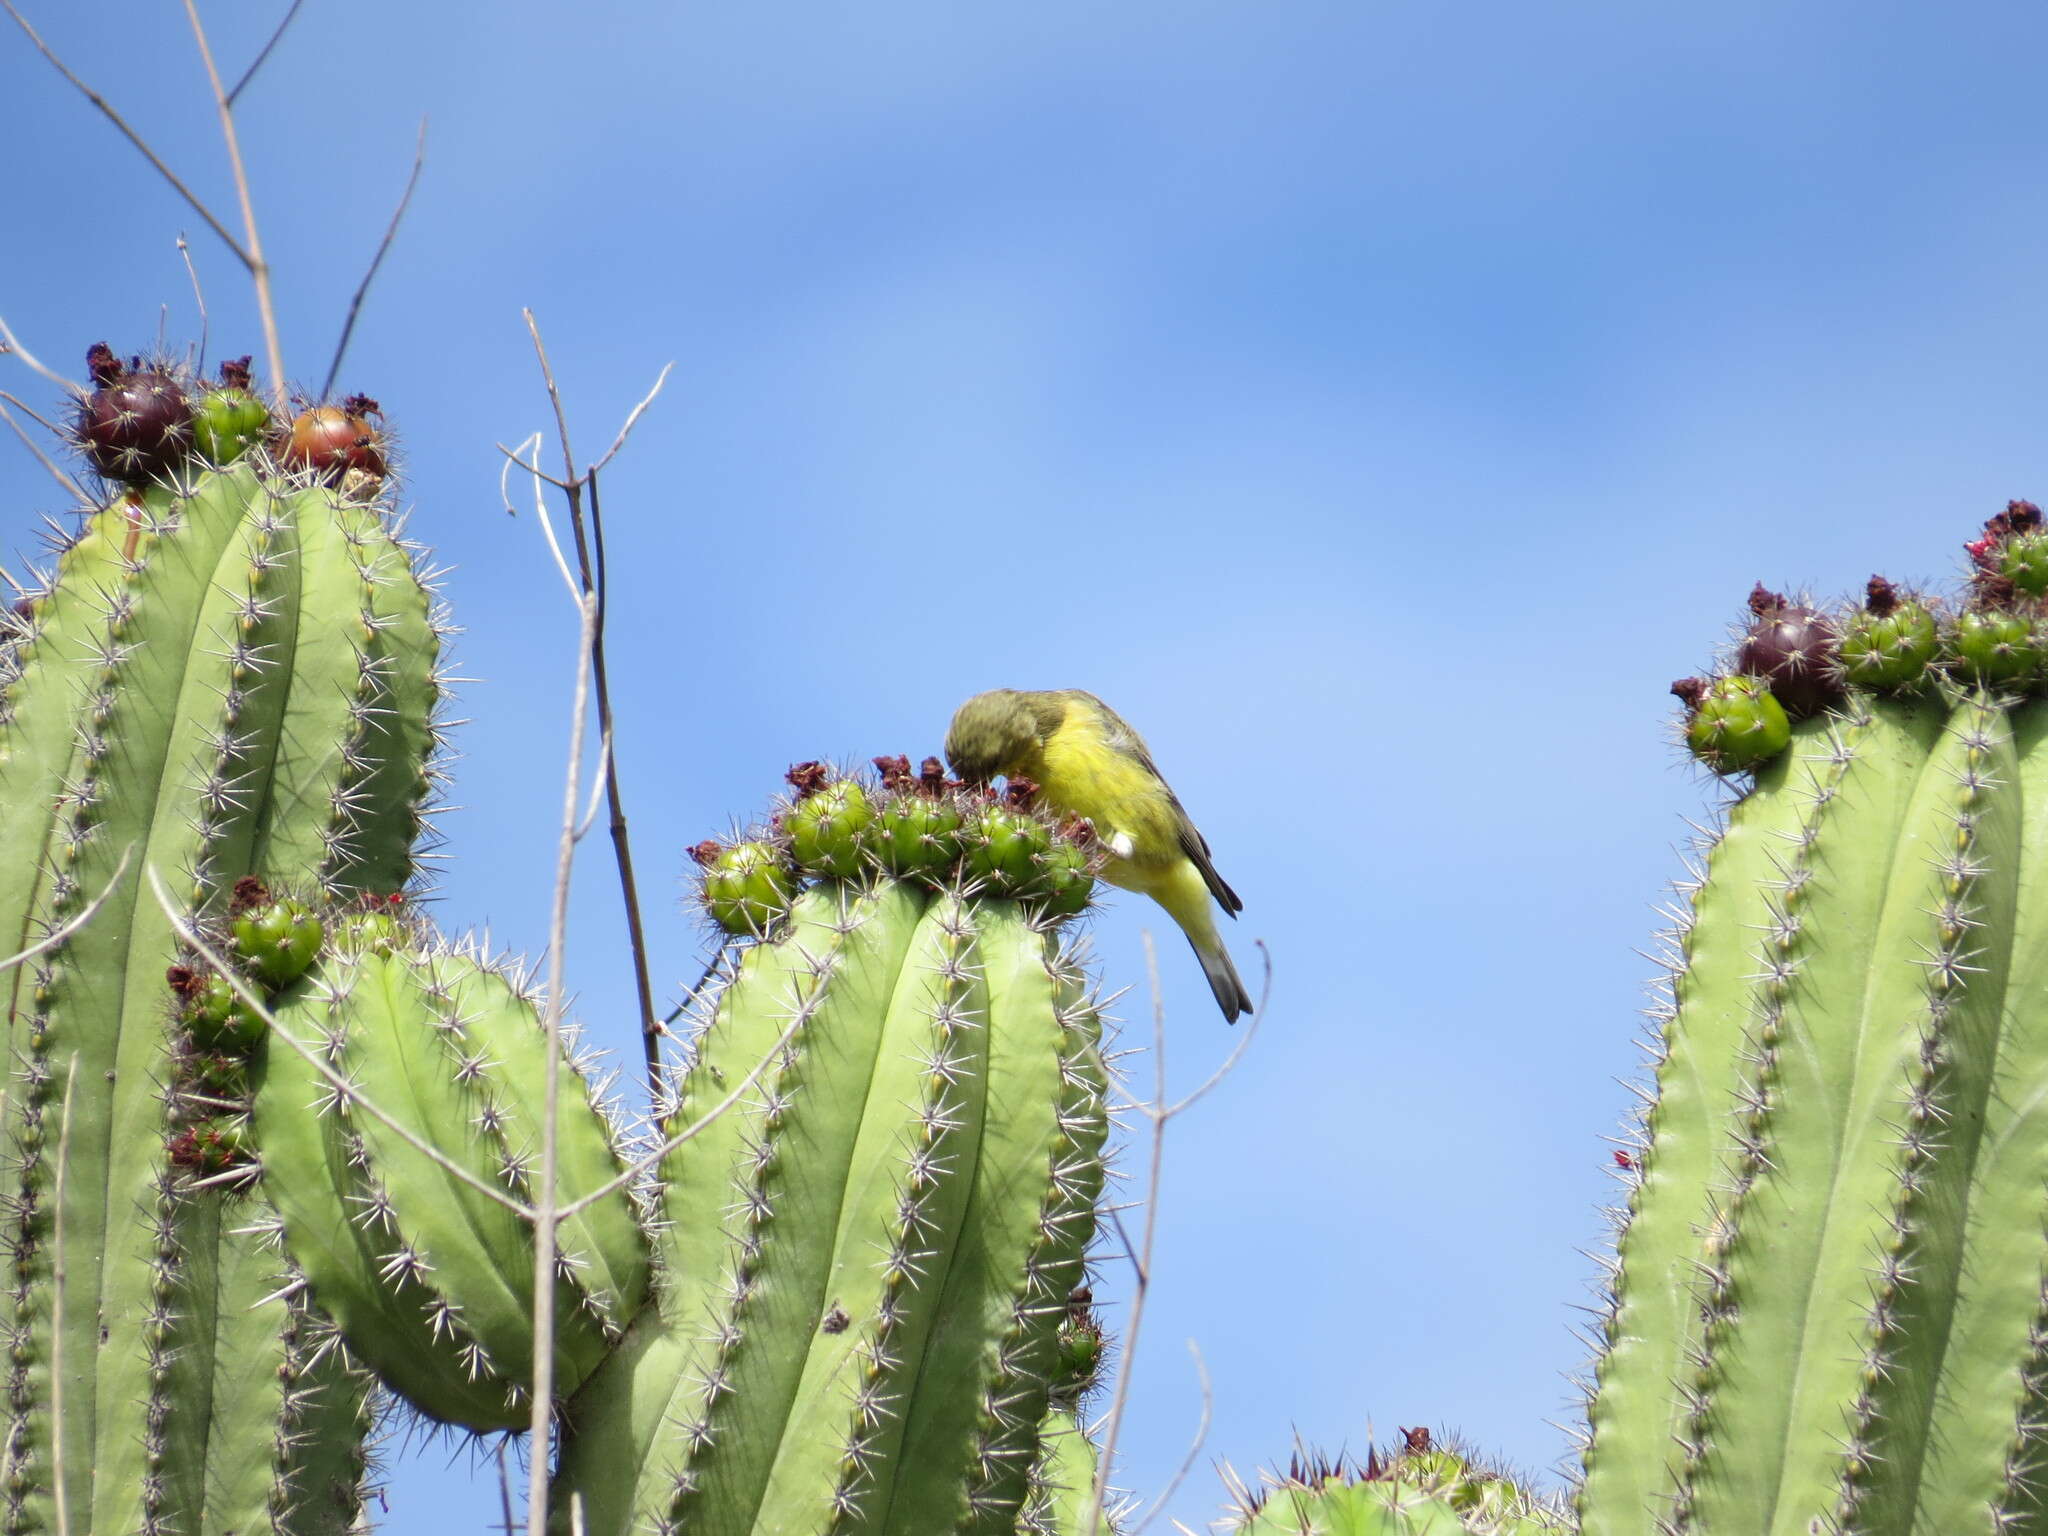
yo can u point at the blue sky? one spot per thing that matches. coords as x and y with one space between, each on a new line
1380 403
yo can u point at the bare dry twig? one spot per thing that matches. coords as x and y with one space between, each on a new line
546 1211
107 110
355 305
10 345
1159 1113
252 251
198 297
263 54
591 571
57 471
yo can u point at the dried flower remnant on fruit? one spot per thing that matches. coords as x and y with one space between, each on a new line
1889 642
808 778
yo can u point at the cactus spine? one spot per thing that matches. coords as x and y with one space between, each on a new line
229 675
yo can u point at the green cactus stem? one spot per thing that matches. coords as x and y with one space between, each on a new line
212 687
1826 1310
430 1279
868 1260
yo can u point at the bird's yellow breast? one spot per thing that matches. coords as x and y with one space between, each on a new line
1081 773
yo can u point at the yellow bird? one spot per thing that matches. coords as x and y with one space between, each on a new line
1087 762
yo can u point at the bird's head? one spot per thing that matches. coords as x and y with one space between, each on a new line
992 733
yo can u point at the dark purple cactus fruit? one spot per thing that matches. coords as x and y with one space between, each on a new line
1795 648
136 425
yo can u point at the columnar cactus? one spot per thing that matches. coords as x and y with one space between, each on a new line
866 1263
837 1305
1828 1311
1420 1491
229 675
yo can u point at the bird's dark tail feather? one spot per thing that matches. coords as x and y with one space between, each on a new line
1224 981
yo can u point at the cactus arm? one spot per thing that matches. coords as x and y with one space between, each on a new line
429 1276
1957 909
377 823
408 1062
604 1253
1825 1047
1839 1070
910 1178
323 1199
43 683
1634 1460
837 970
1062 1479
981 1390
145 736
1982 1444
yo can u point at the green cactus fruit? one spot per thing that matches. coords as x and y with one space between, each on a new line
870 1254
916 831
747 887
1066 877
431 1280
2023 561
1890 641
1733 723
277 940
828 827
1079 1364
214 1079
229 419
378 925
1994 646
1006 849
228 679
211 1009
1422 1492
213 1147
